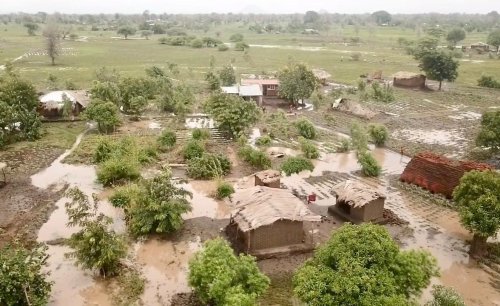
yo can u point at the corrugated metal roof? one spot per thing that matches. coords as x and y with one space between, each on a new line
250 90
259 206
356 194
230 89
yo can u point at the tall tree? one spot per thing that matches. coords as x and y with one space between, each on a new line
311 17
218 277
227 76
297 82
439 66
455 35
489 136
494 39
126 31
382 17
31 27
52 40
362 265
478 200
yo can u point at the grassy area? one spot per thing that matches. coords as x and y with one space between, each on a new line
378 49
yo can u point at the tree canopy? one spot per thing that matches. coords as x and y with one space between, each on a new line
478 200
494 38
439 66
362 265
297 82
227 76
126 31
231 113
382 17
455 35
489 136
218 277
106 115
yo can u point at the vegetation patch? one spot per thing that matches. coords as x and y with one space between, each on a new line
208 166
296 165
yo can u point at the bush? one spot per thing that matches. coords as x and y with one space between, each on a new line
255 158
208 166
359 138
241 46
224 190
488 81
369 166
296 165
123 196
378 134
236 37
344 146
201 134
193 149
104 150
309 149
382 93
22 277
444 296
306 129
219 277
117 170
167 140
197 43
263 141
223 47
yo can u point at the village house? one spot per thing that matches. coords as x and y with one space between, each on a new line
480 47
358 202
52 103
247 92
269 86
409 80
268 178
269 222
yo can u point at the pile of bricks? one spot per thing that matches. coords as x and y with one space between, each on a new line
437 173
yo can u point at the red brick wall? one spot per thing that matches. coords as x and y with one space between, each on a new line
437 173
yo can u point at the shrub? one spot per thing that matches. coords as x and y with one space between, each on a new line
224 190
359 138
197 43
123 196
255 158
382 93
263 141
158 207
344 146
488 81
193 149
241 46
369 165
236 37
309 149
201 134
219 277
296 165
116 170
22 277
167 140
444 296
489 135
223 47
104 150
208 166
306 129
378 134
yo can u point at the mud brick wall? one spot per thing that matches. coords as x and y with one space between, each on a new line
437 173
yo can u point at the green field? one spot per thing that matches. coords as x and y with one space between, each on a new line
378 48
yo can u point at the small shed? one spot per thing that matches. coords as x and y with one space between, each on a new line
52 103
269 86
409 79
247 92
268 178
358 202
269 220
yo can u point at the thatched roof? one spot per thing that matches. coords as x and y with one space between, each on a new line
406 75
321 74
259 206
268 176
356 194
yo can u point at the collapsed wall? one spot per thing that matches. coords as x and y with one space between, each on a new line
437 173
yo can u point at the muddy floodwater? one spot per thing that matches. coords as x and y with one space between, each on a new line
164 261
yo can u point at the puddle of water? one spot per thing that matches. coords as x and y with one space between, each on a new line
165 265
442 137
202 204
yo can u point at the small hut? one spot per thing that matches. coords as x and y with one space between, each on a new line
268 178
269 221
322 75
409 80
52 104
358 202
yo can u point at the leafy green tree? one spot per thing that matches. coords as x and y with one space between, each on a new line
218 277
158 207
308 148
455 35
378 133
22 277
227 76
106 115
106 91
478 200
382 17
146 34
306 128
31 27
67 109
192 149
293 165
95 246
231 113
136 106
296 83
212 80
131 87
436 32
369 165
126 31
236 37
444 296
255 158
311 17
439 66
494 38
489 136
362 265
